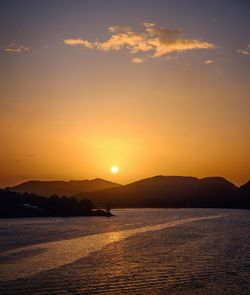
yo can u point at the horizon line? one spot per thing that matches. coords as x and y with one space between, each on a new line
100 178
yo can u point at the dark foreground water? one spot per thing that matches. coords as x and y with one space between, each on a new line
140 251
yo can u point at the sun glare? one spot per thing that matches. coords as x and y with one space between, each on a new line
114 169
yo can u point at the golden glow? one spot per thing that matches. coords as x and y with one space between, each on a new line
115 169
73 112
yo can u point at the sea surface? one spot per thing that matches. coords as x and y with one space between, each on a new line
139 251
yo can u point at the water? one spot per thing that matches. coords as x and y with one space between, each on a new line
140 251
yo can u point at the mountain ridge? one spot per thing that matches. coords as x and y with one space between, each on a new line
168 191
156 191
62 188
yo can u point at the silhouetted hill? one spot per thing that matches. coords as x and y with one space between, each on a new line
245 188
170 191
245 194
158 191
13 204
63 188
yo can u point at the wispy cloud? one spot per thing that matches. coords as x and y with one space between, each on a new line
245 51
155 41
82 42
209 61
134 42
13 48
120 29
165 46
137 60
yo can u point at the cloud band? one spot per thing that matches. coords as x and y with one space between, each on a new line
154 40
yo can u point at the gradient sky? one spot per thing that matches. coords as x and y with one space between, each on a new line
154 87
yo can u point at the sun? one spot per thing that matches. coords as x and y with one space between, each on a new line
115 169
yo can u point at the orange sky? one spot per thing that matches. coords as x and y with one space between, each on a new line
150 102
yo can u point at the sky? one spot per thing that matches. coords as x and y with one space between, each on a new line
154 87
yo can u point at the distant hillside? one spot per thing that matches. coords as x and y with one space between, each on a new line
245 194
15 205
245 188
63 188
170 191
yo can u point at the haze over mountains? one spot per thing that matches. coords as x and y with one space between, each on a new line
158 191
63 188
169 191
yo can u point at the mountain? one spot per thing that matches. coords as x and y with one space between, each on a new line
158 191
63 188
168 191
245 188
245 194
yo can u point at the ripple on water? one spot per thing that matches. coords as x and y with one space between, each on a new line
203 256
